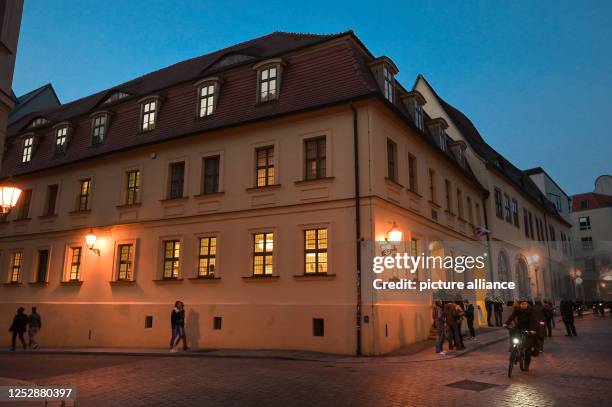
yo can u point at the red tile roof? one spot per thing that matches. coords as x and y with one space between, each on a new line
593 201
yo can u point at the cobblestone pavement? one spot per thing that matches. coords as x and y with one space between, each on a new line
571 372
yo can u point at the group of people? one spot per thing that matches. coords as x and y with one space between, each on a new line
21 323
447 321
495 310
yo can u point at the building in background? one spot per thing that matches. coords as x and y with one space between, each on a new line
10 21
592 219
256 184
39 99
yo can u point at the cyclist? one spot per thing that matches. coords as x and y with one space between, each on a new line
523 319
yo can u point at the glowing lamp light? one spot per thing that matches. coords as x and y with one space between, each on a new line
90 239
9 195
395 234
578 280
535 258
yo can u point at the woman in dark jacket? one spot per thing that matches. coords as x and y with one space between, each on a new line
18 327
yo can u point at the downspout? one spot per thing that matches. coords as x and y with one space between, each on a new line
486 221
550 270
357 231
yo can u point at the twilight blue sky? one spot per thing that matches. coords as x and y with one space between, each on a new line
535 77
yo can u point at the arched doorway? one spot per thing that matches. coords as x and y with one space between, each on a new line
522 274
503 272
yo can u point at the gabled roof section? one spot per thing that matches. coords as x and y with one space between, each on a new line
230 59
594 201
44 96
493 159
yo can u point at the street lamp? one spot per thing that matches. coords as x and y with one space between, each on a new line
90 239
394 235
9 195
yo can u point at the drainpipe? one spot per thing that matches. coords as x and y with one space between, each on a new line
486 221
357 231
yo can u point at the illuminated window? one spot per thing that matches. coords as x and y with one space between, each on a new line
207 257
263 254
315 158
28 145
125 254
172 254
149 115
61 140
99 129
585 223
16 260
207 94
268 81
265 166
132 192
84 191
315 251
74 274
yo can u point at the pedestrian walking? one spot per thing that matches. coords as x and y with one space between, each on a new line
567 314
469 317
439 324
18 327
539 315
177 322
34 325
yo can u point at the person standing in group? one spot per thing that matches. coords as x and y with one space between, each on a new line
460 314
34 325
177 322
567 314
450 313
489 308
18 327
498 309
469 317
548 317
439 324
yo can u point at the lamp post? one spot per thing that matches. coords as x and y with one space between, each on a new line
90 239
394 236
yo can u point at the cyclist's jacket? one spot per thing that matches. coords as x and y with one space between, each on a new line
524 320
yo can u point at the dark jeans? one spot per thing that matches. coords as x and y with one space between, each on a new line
549 323
440 336
568 320
470 324
454 340
498 317
20 338
178 333
489 308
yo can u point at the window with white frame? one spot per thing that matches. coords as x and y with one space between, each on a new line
75 254
61 140
268 83
98 132
263 254
28 146
172 258
207 257
149 114
388 83
585 222
315 251
206 99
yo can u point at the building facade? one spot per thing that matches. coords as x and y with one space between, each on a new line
592 218
256 184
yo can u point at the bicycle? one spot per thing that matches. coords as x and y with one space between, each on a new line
518 351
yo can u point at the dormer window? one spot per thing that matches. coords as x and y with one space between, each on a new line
442 140
437 129
39 122
98 128
115 97
28 146
61 140
384 71
388 83
413 102
268 80
149 110
208 93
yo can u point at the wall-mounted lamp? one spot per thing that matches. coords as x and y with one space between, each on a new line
9 195
90 239
394 235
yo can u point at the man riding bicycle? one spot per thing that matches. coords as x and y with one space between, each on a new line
523 319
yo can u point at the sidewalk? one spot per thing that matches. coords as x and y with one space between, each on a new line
422 351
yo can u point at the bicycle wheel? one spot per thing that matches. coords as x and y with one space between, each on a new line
512 361
522 358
